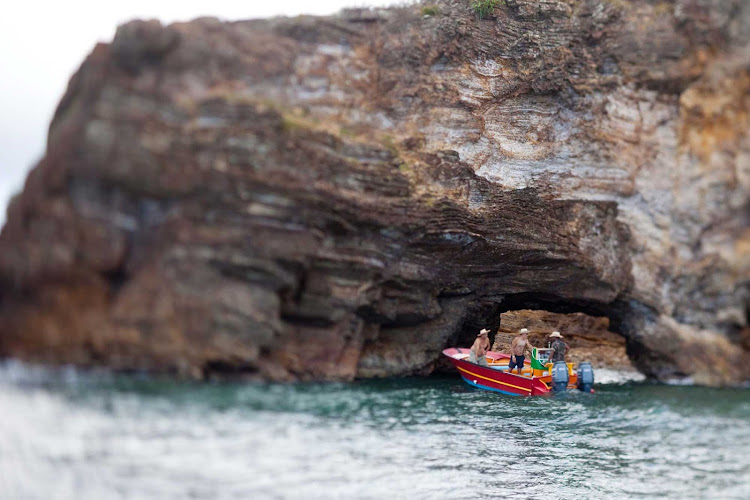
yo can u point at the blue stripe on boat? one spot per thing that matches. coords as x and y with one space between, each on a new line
490 388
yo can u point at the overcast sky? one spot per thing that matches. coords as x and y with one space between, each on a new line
43 42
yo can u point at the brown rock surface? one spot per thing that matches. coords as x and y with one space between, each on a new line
322 198
589 337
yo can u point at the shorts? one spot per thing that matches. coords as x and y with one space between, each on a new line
517 363
473 359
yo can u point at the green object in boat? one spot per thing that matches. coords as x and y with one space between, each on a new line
535 363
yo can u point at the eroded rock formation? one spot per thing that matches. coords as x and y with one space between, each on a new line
589 337
337 197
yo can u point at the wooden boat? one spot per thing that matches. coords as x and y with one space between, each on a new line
535 378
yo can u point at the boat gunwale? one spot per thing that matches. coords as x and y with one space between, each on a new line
523 385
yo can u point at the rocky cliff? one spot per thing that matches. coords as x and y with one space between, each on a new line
329 198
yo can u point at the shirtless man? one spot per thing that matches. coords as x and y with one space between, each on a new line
480 347
518 348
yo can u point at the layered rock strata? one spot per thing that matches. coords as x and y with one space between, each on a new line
327 198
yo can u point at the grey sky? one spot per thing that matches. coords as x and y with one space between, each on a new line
43 42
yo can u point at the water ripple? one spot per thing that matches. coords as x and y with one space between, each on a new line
98 436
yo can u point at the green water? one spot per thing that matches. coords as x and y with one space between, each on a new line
67 435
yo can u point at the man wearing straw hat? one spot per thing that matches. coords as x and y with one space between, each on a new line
560 347
480 347
518 349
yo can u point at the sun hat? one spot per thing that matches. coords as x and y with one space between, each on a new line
556 335
484 331
524 330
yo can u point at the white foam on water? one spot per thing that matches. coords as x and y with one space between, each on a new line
608 376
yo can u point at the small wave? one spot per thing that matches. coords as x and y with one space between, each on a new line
608 376
680 381
26 374
21 373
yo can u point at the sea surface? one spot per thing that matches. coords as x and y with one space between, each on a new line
65 434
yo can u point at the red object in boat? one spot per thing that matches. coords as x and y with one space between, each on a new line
495 378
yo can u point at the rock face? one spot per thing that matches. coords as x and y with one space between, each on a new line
589 337
327 198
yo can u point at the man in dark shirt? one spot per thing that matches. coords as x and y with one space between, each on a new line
560 347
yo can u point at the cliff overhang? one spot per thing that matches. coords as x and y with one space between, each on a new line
330 198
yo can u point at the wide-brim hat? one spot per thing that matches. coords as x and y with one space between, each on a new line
556 335
484 331
524 330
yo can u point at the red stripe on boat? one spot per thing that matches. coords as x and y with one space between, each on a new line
492 379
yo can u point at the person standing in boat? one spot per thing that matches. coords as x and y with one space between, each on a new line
518 349
559 346
480 347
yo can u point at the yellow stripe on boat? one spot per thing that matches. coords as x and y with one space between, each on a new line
492 380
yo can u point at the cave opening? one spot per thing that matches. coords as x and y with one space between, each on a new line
593 329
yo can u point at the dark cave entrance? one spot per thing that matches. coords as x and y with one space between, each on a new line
486 312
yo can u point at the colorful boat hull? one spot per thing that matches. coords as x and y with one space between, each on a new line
495 377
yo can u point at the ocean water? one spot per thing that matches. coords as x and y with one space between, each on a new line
71 435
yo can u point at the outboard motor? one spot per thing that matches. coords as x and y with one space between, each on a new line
560 376
585 377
